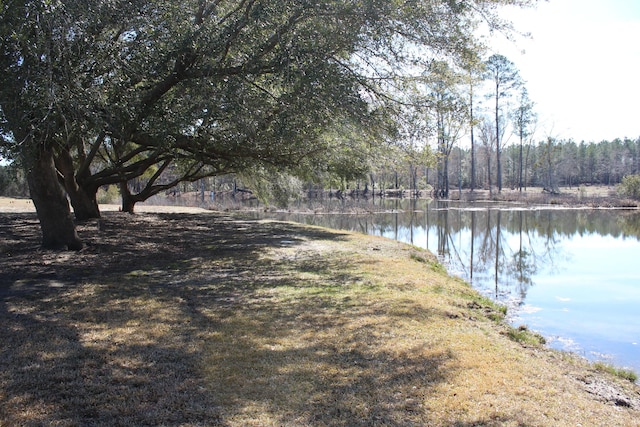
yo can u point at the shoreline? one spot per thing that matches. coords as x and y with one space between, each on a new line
585 198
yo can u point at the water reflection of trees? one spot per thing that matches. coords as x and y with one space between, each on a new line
491 248
500 250
630 225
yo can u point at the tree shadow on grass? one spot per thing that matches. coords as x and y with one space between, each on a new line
331 381
114 335
492 422
120 243
313 355
183 320
56 370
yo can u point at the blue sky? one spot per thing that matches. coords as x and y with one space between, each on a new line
582 66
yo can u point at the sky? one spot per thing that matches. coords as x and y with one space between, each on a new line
581 66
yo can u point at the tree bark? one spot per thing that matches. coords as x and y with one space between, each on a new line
473 148
83 198
520 171
499 171
85 203
128 199
489 170
473 162
52 207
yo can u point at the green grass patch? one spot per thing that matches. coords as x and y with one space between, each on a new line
524 335
438 268
625 374
492 310
417 257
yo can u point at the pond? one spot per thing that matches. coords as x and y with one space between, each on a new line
571 274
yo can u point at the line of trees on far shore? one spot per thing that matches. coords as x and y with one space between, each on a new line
549 165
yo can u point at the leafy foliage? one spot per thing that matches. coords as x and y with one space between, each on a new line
126 85
630 186
12 182
272 186
115 88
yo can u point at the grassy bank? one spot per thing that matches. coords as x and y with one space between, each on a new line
205 319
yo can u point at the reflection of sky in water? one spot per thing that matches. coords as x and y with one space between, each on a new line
592 301
584 292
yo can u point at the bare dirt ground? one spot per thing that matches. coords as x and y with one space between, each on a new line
8 205
199 318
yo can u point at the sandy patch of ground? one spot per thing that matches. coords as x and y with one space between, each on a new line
8 204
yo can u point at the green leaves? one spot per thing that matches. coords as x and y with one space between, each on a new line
230 83
630 186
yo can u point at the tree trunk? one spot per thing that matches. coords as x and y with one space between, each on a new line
84 202
498 171
520 171
128 199
52 207
473 148
83 198
446 176
526 166
489 170
473 162
498 164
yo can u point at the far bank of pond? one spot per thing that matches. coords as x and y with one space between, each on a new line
570 274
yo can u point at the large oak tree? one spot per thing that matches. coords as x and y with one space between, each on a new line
95 93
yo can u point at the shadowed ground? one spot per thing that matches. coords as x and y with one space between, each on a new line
211 319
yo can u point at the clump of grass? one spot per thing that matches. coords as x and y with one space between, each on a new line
493 311
523 335
496 317
489 303
625 374
424 257
417 257
438 268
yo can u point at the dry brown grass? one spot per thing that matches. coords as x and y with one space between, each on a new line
597 196
206 319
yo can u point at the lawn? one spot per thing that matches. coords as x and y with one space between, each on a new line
212 319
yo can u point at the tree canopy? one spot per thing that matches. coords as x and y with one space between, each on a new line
100 92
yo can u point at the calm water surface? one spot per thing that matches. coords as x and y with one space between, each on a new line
572 275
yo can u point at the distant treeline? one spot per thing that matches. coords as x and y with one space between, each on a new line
554 162
548 164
